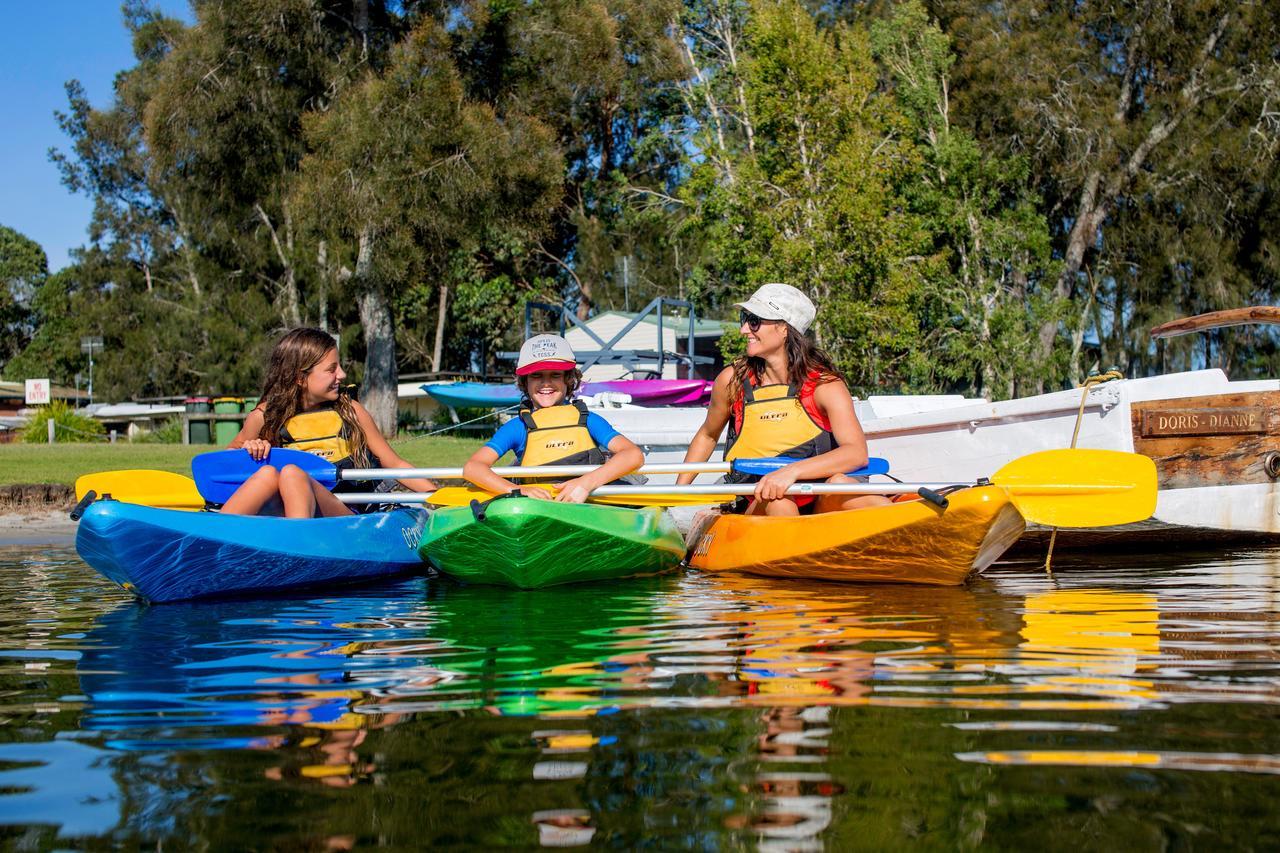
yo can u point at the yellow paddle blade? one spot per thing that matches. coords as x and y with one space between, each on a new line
1081 488
463 495
162 489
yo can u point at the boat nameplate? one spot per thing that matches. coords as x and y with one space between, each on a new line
1210 440
1239 420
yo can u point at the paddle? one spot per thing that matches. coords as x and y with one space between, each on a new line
220 472
1063 488
149 488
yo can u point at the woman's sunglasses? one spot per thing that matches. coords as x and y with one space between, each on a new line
751 321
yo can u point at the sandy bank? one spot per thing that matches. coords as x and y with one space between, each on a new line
36 526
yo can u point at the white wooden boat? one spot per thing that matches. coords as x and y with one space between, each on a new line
1215 442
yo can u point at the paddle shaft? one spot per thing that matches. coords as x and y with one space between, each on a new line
749 489
519 471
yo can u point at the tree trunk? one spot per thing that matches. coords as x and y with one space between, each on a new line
378 393
437 351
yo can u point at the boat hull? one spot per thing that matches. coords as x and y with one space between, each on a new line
643 392
909 542
528 543
165 555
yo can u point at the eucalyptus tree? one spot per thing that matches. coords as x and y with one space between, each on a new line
410 180
23 270
795 175
1126 111
991 244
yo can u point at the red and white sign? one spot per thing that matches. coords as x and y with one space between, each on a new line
37 392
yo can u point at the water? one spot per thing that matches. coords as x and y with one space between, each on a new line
1129 703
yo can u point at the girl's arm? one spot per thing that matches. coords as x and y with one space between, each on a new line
850 454
381 449
707 437
248 436
626 458
479 471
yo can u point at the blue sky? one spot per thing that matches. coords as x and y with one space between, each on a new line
42 46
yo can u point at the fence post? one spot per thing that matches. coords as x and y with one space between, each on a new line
113 436
53 429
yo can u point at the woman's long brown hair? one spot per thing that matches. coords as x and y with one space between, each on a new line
803 358
293 357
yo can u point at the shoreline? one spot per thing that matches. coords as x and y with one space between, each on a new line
36 525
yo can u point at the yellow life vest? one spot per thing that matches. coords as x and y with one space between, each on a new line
775 423
557 435
321 432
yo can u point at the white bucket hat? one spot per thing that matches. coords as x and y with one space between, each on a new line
545 352
781 302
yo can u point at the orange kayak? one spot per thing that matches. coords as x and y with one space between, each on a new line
909 542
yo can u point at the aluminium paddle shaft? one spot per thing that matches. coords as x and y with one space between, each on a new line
540 471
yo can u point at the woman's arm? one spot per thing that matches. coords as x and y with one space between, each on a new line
707 437
850 454
626 458
381 449
248 436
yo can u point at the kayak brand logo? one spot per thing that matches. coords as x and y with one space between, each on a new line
774 416
559 445
412 537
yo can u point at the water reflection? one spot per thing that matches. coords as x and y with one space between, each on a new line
684 711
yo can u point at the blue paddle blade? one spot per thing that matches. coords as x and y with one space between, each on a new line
760 467
220 472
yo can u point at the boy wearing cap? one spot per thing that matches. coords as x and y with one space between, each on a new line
553 429
785 398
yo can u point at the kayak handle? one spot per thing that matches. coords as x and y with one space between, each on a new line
936 498
89 497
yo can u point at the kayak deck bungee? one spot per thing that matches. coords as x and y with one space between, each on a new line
907 542
168 555
530 543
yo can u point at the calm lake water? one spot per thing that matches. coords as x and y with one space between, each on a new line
1126 703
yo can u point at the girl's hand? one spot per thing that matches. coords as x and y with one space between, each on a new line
536 492
574 491
258 448
773 486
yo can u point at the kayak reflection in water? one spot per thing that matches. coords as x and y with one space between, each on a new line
553 429
785 397
304 408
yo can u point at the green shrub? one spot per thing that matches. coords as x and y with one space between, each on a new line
70 426
169 432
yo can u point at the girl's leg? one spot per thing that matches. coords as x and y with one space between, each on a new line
835 503
305 498
783 507
254 493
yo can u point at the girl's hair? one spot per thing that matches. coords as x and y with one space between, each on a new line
572 381
803 357
293 357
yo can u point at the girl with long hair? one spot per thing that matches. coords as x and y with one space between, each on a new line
785 397
304 407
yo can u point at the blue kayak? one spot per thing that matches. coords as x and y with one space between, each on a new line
169 555
480 395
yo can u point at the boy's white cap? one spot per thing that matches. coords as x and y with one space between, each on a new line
545 352
781 302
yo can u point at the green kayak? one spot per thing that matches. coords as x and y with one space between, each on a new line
530 543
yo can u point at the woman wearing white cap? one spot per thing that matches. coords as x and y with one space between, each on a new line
553 428
784 398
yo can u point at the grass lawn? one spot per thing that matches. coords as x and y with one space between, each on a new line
63 463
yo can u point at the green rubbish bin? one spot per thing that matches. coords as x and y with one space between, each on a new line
224 431
200 433
250 403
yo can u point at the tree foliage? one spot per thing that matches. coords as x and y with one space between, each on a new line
983 198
